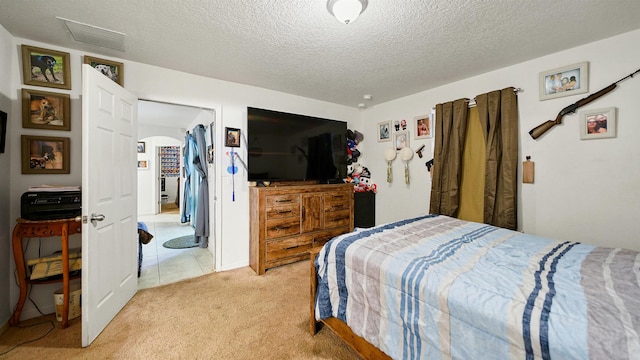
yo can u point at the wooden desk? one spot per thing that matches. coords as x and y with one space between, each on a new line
43 228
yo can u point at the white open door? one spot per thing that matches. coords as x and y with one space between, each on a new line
109 201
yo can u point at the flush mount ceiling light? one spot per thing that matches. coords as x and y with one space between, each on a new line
346 11
94 35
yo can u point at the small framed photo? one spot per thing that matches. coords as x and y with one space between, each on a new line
112 69
598 123
143 164
232 137
141 147
43 67
422 126
45 155
45 110
384 131
564 81
401 139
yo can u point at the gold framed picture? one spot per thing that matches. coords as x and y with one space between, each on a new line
45 110
45 155
112 69
44 67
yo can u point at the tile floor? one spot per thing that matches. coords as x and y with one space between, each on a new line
161 265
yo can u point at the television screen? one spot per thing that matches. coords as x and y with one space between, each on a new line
290 147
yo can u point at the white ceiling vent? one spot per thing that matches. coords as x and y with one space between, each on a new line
94 35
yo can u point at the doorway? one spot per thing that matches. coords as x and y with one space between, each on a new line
161 133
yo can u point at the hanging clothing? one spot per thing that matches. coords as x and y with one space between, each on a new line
186 193
202 206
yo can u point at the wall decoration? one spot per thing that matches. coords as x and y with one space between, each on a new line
401 139
598 123
43 67
46 110
143 164
384 131
3 130
564 81
45 155
422 126
141 147
232 137
170 161
112 69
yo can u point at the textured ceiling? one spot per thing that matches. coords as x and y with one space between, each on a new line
395 48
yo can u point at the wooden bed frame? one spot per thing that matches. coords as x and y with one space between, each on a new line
361 346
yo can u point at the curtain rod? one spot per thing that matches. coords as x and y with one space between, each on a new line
472 102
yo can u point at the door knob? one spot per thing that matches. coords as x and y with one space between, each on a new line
96 217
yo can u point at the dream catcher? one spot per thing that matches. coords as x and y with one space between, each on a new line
389 155
406 154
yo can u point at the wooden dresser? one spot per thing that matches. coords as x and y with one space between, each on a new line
287 221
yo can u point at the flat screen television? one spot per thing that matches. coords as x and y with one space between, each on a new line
290 147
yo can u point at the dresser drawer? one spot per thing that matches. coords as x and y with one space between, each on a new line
279 212
290 247
292 200
276 228
337 218
320 238
337 201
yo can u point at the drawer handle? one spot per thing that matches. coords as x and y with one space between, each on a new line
284 201
278 228
291 247
283 211
337 207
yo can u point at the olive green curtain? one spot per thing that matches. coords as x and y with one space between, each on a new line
498 116
450 129
473 163
498 111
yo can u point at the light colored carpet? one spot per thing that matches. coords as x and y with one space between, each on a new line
228 315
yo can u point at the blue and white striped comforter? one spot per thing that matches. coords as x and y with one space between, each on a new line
437 287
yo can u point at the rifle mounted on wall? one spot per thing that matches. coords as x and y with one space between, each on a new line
542 128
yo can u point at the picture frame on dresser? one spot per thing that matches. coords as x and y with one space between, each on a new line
46 110
45 67
45 155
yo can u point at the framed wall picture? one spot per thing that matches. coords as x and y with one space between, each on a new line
44 67
112 69
598 123
422 126
3 130
45 155
46 110
143 164
384 131
232 137
564 81
401 139
142 148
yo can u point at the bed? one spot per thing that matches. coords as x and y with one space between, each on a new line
437 287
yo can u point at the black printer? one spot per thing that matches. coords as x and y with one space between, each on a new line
50 205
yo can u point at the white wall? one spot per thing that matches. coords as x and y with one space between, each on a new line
584 190
156 84
8 94
147 187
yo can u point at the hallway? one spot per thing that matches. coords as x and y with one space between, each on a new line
161 265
